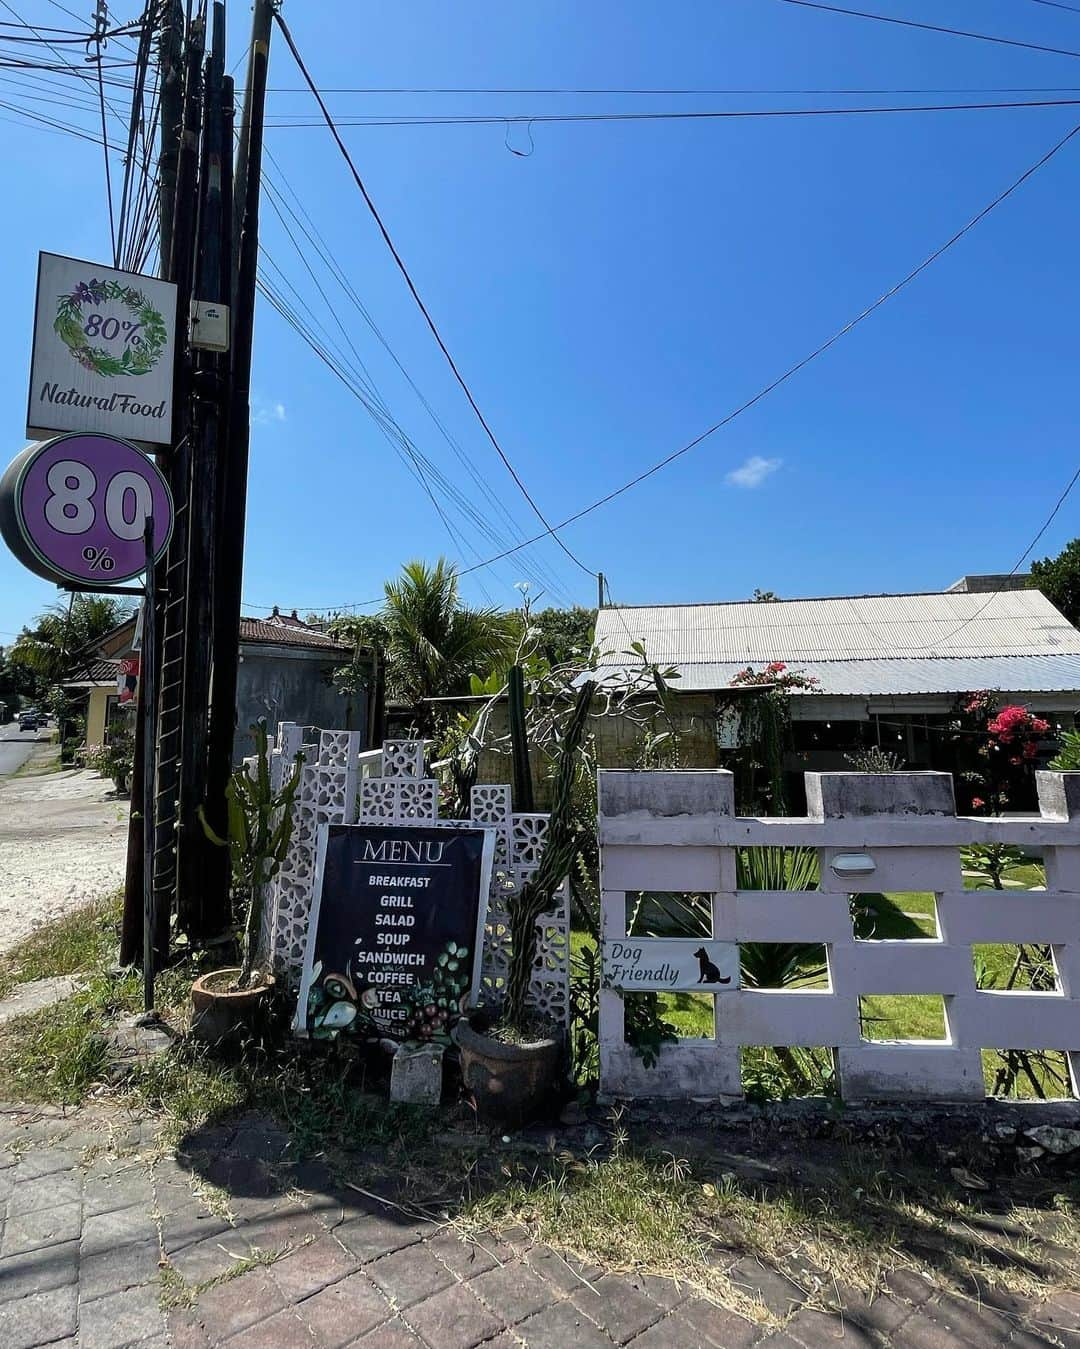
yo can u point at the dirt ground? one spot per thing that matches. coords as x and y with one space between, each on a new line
63 837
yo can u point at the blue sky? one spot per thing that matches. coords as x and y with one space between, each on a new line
627 284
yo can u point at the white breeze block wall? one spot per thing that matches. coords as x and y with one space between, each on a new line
677 831
340 785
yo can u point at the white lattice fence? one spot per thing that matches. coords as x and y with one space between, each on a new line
677 832
336 789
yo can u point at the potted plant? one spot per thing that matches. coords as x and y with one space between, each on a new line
511 1061
228 1002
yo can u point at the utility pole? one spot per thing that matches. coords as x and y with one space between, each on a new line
196 913
174 611
171 124
233 502
599 589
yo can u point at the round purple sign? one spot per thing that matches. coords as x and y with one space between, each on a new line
74 509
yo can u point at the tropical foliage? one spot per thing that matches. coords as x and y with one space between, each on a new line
430 639
44 651
1059 580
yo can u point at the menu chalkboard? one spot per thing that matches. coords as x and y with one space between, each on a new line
396 931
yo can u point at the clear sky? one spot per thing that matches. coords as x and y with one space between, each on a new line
626 284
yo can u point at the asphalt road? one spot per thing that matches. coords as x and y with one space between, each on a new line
16 747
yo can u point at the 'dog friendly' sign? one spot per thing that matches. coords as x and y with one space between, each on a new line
396 931
642 964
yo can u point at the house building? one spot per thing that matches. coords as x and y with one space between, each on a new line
286 674
889 668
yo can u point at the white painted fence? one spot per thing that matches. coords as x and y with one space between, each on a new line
340 784
677 832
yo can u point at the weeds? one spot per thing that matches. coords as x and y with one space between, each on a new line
81 941
851 1225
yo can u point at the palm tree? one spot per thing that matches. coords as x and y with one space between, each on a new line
435 641
45 651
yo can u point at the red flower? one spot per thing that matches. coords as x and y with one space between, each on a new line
977 803
775 666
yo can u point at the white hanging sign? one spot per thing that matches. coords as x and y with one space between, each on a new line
641 964
104 345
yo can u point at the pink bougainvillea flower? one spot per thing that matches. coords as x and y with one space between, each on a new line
977 803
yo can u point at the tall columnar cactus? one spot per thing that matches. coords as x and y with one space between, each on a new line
260 830
558 856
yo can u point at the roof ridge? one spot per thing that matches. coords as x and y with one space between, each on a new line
817 599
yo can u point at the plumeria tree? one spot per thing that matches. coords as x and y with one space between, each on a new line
764 731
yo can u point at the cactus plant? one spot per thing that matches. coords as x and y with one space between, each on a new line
260 830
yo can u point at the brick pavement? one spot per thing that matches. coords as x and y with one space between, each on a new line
100 1249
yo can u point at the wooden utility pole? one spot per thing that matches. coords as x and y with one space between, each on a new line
171 130
233 503
197 914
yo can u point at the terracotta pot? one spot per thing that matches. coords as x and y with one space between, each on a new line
511 1084
224 1016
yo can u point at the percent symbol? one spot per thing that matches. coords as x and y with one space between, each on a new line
100 559
130 328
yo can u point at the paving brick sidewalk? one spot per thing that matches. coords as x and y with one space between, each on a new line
104 1247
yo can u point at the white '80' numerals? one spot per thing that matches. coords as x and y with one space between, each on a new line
129 500
65 495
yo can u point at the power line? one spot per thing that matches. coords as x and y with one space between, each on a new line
416 296
932 27
793 370
820 350
684 92
1056 4
279 202
1016 566
362 388
285 123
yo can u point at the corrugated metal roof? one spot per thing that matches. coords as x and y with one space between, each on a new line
884 678
861 627
862 645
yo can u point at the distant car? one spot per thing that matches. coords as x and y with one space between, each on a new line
29 721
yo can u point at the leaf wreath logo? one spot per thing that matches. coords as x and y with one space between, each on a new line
145 332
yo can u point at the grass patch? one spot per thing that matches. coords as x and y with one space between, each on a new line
895 917
903 1016
850 1225
82 941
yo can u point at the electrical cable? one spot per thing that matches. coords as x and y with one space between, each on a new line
711 115
824 346
800 365
416 295
395 435
102 18
931 27
279 202
695 93
1016 566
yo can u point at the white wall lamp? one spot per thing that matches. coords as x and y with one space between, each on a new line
853 864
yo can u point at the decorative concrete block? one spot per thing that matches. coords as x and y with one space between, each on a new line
416 1075
691 798
832 796
1059 795
910 1071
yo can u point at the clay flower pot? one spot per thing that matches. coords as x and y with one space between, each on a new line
224 1016
510 1083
